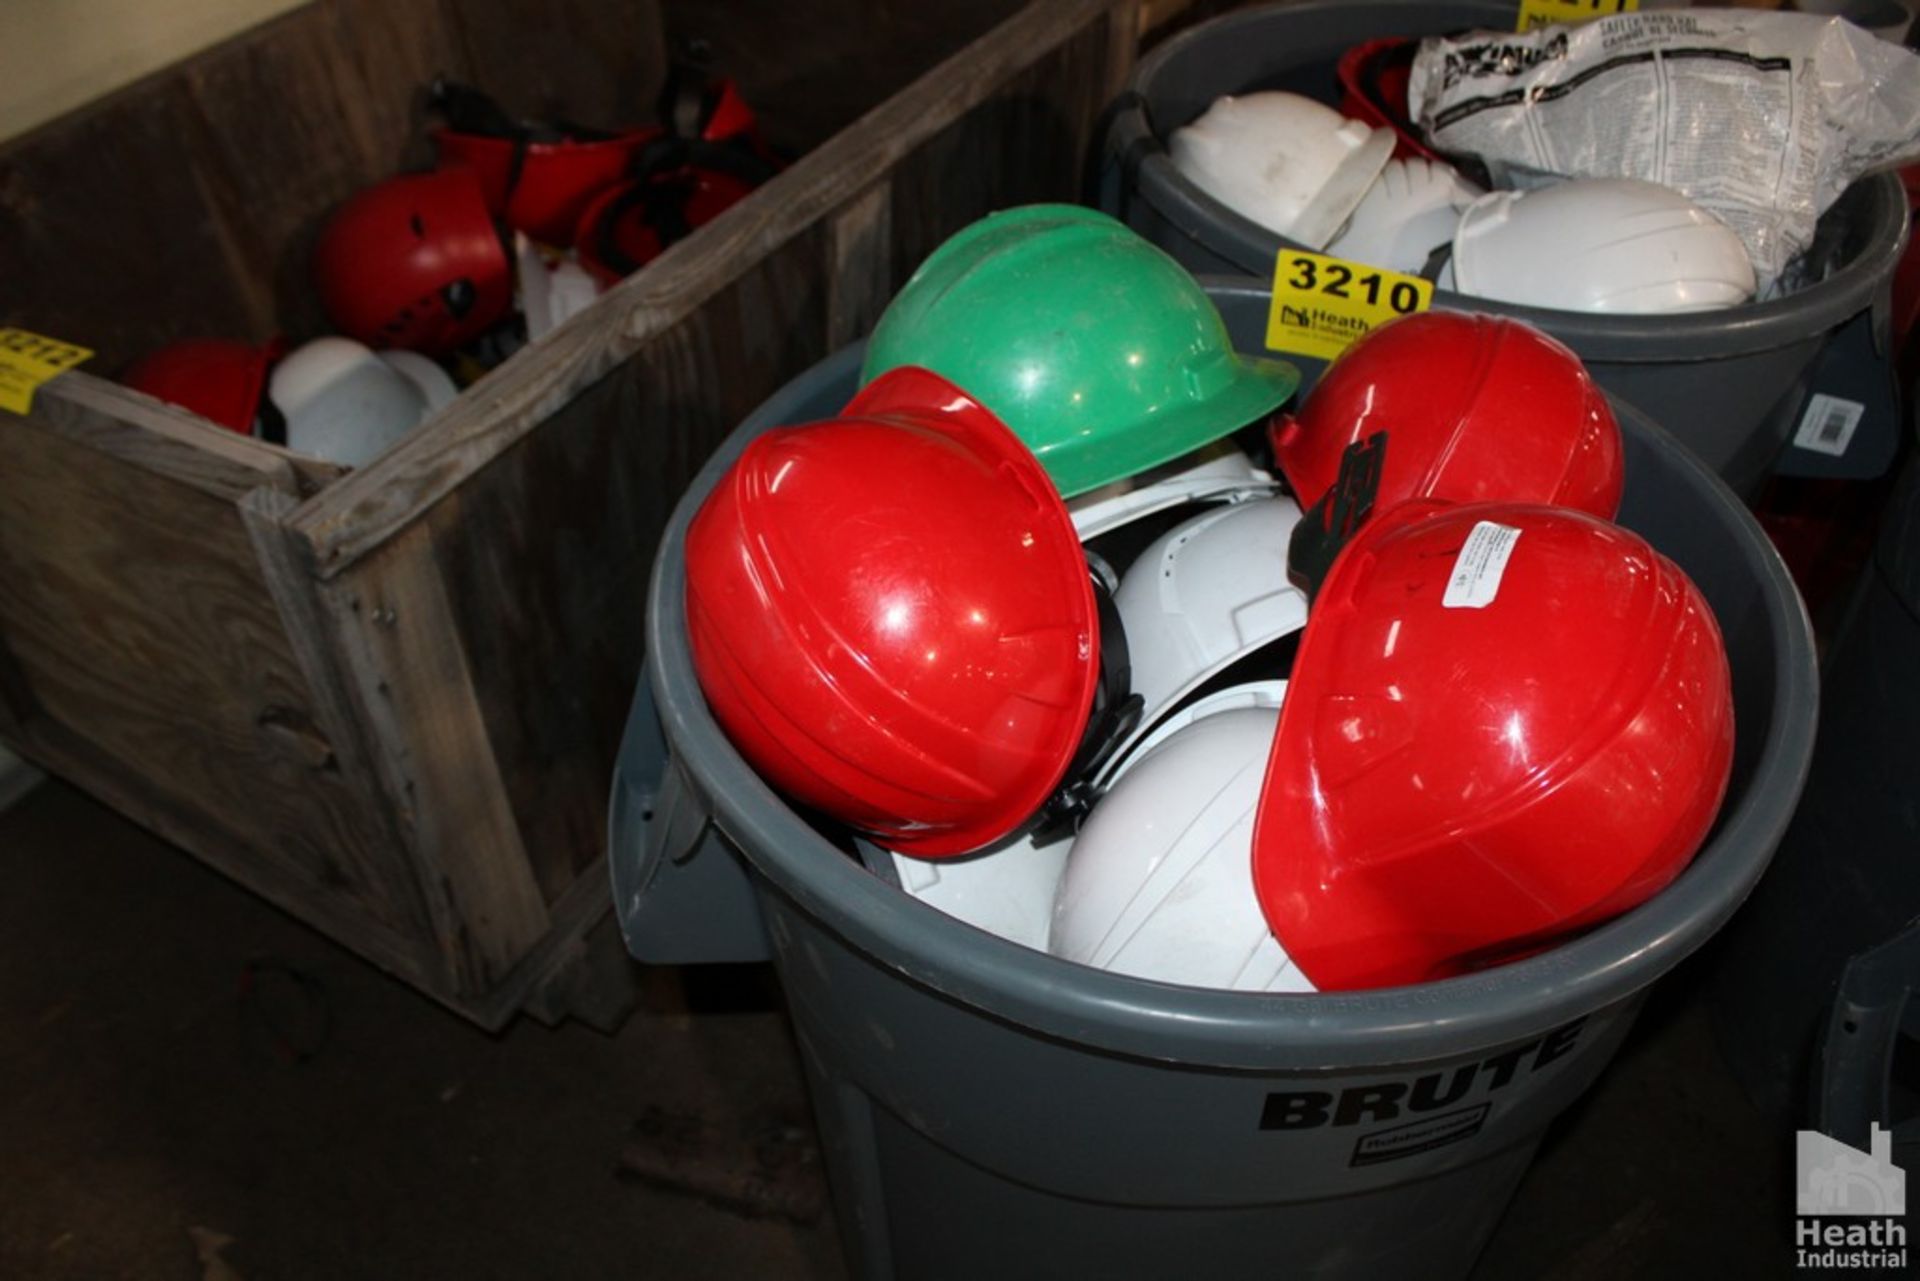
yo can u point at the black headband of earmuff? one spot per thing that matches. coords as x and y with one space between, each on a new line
1116 711
1331 523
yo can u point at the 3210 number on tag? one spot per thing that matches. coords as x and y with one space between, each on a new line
1322 304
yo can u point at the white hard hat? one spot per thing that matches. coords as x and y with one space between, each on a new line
343 403
1006 889
1209 591
1220 471
1599 244
435 384
1411 210
1159 883
1293 165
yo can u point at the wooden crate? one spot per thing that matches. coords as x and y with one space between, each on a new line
389 699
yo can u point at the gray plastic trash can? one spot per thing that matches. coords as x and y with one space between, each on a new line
988 1110
1848 875
1732 385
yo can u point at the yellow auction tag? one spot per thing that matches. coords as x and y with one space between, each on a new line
1544 13
27 360
1321 304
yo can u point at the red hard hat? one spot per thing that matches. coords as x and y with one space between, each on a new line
1373 87
217 378
626 227
1476 408
415 261
1505 723
892 619
546 190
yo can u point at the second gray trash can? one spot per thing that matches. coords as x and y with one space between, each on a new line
1732 385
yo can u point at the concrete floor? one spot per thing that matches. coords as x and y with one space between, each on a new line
154 1124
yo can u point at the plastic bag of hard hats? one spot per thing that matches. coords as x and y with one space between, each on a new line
1074 625
1653 163
431 275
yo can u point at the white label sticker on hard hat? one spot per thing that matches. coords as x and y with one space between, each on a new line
1543 13
27 360
1322 304
1478 568
1827 426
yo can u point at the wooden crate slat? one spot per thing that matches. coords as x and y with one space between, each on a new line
348 519
587 61
136 618
393 628
167 441
547 555
71 269
811 69
860 270
336 717
394 947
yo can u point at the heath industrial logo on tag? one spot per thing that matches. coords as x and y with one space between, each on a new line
1322 304
1851 1205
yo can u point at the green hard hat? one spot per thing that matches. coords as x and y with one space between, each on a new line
1098 349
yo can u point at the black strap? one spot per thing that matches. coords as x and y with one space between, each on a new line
1116 711
271 424
1330 524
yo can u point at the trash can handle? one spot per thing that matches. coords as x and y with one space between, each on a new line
1873 1008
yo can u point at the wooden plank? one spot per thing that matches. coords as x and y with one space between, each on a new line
812 69
236 154
588 61
397 47
137 619
859 265
1025 144
577 911
333 727
162 440
396 949
350 518
391 624
287 125
100 216
546 555
18 706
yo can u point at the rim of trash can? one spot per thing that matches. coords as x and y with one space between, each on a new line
1148 173
1145 1019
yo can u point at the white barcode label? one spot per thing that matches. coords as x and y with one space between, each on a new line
1477 570
1828 424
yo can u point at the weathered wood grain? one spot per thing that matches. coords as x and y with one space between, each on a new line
391 624
812 69
859 264
203 185
391 699
161 439
135 614
588 61
332 727
100 215
74 757
356 515
547 554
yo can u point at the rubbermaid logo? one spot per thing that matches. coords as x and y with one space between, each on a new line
1423 1135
